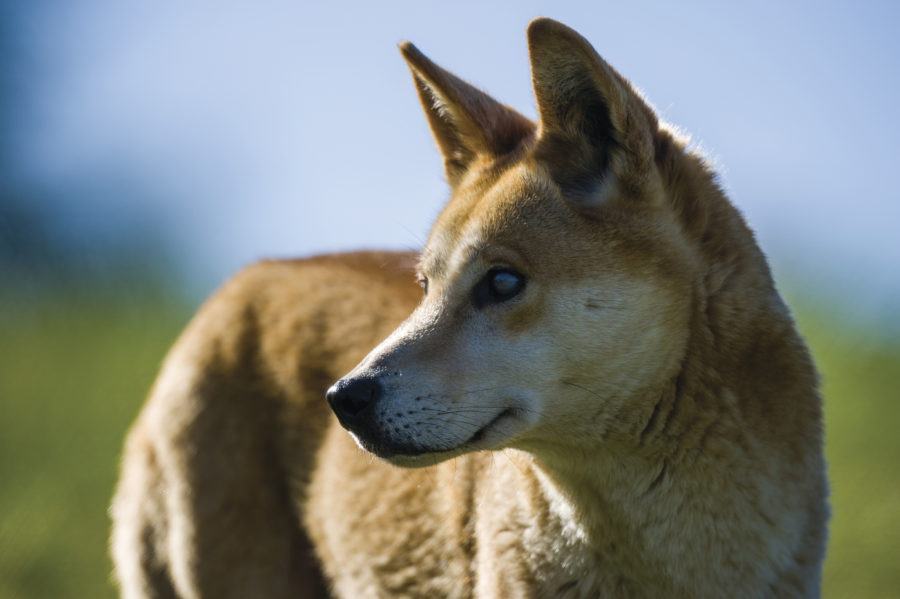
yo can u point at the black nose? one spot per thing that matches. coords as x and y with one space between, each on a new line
350 398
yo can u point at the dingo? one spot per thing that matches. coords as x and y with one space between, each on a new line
600 394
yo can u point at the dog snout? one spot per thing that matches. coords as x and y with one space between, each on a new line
352 399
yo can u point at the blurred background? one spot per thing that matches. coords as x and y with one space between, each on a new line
150 149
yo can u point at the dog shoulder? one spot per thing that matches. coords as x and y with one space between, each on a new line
275 334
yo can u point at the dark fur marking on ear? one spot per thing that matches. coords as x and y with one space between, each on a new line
578 168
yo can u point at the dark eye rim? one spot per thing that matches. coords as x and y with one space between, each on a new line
486 293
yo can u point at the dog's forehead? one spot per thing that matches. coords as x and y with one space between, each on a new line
505 211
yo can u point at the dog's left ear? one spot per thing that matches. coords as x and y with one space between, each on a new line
596 133
466 122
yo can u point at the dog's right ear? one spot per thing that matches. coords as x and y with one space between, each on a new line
467 123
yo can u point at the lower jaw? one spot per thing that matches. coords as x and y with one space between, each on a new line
421 457
408 457
423 460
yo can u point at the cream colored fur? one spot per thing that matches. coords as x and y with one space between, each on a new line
601 394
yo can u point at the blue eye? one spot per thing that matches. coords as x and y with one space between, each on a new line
498 285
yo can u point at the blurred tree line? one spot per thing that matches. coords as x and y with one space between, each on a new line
42 254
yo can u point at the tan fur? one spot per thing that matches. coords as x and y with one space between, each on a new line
639 420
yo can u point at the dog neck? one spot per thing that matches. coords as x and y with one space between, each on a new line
609 511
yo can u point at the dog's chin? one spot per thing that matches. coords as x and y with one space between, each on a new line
492 435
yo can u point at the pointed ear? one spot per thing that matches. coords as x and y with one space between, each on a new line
466 122
596 132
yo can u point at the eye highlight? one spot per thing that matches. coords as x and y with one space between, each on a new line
498 285
422 280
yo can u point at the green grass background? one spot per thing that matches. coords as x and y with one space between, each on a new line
73 375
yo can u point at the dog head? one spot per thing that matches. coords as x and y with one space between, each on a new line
558 282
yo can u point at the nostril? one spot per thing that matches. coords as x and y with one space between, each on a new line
349 398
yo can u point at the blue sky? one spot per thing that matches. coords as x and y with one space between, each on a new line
233 131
